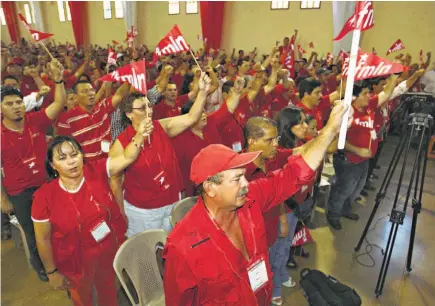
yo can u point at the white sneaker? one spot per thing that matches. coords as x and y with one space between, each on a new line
277 301
290 283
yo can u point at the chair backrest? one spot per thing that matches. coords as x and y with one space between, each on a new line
137 258
181 208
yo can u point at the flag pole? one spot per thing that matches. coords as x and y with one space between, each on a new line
147 116
194 58
349 86
43 46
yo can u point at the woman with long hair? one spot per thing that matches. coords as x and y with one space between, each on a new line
78 224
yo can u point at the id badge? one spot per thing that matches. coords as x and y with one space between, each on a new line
258 275
237 147
105 146
100 231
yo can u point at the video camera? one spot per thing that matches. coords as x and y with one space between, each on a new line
420 102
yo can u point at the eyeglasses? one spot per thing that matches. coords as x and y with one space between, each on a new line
142 108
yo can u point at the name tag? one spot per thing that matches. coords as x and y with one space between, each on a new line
105 146
258 275
237 147
100 231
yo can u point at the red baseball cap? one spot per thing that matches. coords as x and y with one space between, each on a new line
216 158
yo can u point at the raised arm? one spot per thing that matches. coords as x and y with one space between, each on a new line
385 95
271 84
175 125
55 108
235 93
120 93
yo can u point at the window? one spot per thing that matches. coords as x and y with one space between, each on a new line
61 9
174 7
119 12
191 7
2 16
310 4
28 14
107 9
280 5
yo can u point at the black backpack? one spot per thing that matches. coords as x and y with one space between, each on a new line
322 290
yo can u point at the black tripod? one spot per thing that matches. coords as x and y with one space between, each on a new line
418 123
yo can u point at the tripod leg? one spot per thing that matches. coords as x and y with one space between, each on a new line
384 186
416 203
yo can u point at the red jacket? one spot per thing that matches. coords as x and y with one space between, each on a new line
204 268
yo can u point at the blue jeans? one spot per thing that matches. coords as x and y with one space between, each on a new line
279 254
350 181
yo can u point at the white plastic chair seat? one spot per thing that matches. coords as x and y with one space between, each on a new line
180 209
14 221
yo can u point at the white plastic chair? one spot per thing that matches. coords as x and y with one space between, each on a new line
14 221
136 258
181 208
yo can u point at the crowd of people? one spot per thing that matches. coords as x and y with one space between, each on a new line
87 164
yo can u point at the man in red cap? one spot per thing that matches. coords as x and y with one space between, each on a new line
218 253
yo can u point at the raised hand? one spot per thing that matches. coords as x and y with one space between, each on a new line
204 82
56 70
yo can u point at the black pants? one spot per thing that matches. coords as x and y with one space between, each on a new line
22 204
374 160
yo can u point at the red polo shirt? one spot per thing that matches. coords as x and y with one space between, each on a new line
187 145
163 110
154 179
203 267
271 218
23 155
315 112
246 109
361 131
73 215
91 130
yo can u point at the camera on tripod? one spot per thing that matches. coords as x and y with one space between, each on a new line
420 102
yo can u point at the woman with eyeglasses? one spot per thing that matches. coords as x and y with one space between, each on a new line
78 224
153 183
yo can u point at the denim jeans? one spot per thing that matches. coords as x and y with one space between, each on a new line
279 254
350 181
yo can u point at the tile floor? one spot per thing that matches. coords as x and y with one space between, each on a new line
332 252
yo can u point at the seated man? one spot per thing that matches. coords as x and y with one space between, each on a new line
218 253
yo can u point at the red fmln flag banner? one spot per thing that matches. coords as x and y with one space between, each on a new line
133 73
172 43
289 62
112 58
371 66
397 46
301 50
311 45
37 36
362 19
131 35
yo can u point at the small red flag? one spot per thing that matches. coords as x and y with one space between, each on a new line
311 45
37 36
131 35
133 73
112 58
115 42
397 46
301 50
172 43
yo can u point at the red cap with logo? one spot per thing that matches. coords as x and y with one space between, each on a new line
216 158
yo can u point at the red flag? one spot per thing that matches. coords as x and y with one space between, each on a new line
115 42
371 66
133 73
131 35
362 19
422 63
37 36
311 45
289 62
112 58
301 51
303 236
397 46
172 43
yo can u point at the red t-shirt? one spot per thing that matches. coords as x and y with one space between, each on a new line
74 214
271 217
332 83
246 109
232 135
163 110
361 131
28 85
315 112
154 180
279 102
23 155
187 145
91 130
